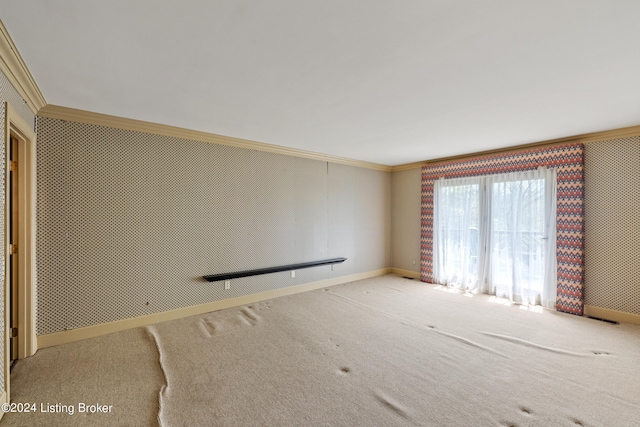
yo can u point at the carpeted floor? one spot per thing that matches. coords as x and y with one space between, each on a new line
386 351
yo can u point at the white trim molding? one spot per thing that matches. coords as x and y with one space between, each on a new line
608 314
405 273
14 67
88 117
15 125
71 335
26 267
586 138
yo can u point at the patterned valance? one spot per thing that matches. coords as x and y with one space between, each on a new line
568 161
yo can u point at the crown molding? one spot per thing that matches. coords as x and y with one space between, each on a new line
14 67
608 135
586 138
408 166
82 116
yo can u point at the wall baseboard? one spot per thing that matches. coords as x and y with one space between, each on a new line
605 313
71 335
405 273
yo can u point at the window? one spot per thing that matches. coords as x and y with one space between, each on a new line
496 234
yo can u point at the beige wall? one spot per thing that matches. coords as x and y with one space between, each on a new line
612 224
128 222
405 223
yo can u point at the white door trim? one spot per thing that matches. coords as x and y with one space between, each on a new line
27 344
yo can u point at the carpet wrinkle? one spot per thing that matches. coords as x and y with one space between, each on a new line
291 368
209 327
164 389
620 399
587 388
392 406
396 289
212 325
468 342
250 315
430 328
359 304
244 320
538 346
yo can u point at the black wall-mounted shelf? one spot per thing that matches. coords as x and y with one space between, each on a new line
256 272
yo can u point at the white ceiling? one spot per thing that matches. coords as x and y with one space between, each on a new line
389 82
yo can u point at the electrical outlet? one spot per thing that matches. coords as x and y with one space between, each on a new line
333 267
227 284
293 273
414 262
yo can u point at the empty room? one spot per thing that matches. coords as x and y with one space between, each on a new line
295 213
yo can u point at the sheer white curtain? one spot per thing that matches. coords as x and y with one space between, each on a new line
521 261
496 234
456 231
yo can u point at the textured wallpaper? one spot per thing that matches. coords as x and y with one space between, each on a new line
128 222
612 223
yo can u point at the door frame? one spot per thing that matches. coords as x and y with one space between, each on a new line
17 127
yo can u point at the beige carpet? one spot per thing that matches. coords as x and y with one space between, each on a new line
380 352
